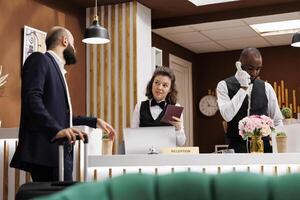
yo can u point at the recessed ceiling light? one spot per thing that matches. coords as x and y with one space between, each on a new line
277 28
207 2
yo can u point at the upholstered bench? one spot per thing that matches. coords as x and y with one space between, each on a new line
187 186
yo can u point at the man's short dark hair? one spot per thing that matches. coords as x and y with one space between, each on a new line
249 51
53 37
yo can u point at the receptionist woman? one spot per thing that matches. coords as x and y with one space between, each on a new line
161 91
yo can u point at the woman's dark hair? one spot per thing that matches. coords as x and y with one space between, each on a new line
164 71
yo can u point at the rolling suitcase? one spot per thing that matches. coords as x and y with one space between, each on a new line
35 189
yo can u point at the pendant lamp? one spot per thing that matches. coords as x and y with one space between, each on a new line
96 34
296 40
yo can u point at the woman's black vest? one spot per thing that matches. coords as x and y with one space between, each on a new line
146 119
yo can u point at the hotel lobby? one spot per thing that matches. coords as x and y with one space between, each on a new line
201 42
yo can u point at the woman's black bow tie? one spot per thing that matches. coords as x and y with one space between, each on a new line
160 104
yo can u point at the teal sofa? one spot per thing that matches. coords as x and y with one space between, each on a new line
186 186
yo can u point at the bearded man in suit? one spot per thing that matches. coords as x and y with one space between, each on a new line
46 110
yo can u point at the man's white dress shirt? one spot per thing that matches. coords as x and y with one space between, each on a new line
229 107
61 63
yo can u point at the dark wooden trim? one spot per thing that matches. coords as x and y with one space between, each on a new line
106 68
134 53
127 71
5 169
91 56
113 64
226 15
78 170
95 175
17 173
120 72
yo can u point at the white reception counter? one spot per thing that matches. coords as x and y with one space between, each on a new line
102 167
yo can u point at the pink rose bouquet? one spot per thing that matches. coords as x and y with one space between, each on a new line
256 125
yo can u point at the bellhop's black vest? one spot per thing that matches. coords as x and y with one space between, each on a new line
259 104
146 119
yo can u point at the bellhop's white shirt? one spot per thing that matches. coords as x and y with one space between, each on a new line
61 63
155 112
230 107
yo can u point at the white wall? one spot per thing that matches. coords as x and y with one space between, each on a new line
144 43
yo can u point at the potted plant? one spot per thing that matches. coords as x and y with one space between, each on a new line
107 144
281 141
288 116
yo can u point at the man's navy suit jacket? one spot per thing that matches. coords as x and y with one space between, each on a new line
44 112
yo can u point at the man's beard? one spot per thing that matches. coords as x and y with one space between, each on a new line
253 79
69 55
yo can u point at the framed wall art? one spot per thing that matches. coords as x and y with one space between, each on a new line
33 40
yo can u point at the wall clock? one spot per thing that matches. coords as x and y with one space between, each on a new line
208 105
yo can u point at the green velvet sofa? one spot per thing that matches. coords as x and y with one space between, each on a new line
186 186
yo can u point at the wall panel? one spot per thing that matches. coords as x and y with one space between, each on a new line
112 67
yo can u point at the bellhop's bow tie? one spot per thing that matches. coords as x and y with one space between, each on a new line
160 104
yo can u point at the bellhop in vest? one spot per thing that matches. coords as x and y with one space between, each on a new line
235 103
258 106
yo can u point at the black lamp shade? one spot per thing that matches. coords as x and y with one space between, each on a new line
296 40
96 34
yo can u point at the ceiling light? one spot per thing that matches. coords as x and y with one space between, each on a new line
96 34
277 28
207 2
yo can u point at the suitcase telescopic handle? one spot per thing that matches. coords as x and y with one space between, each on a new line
62 141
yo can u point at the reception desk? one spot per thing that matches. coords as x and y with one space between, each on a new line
103 167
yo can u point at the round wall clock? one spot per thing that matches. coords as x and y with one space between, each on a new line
208 105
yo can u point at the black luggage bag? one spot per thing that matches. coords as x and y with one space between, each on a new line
35 189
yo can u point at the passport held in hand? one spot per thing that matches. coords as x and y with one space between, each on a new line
172 110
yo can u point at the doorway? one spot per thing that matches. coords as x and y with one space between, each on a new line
183 73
